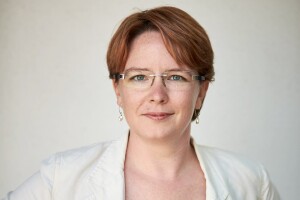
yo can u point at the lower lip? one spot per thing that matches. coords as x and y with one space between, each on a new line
158 117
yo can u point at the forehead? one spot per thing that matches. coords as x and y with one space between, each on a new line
149 51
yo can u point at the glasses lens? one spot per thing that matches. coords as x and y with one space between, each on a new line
137 79
173 80
178 80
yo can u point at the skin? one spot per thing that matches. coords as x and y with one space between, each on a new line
159 157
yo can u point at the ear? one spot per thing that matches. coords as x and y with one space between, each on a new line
202 92
117 92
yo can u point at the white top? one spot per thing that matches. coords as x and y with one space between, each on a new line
97 172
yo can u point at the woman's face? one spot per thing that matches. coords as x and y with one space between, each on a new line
157 112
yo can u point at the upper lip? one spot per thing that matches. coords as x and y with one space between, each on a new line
158 113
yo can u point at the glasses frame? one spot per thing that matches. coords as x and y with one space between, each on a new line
118 76
122 76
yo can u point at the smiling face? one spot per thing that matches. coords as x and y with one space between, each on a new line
157 112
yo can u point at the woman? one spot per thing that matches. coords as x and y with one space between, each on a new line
161 63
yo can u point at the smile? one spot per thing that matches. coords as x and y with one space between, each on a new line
157 115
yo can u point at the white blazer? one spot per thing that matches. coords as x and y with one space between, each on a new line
96 172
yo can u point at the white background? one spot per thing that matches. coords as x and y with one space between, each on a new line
55 93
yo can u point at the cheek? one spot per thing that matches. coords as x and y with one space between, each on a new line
129 100
190 96
185 101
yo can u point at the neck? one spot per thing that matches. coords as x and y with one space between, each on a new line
163 159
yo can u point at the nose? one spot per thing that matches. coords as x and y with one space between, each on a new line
158 91
162 78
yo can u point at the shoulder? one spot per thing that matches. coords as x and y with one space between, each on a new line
82 154
231 166
236 171
79 155
228 160
66 173
77 165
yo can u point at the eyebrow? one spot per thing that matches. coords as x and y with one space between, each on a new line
176 70
137 68
146 69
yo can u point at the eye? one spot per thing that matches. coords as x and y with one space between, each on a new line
176 78
138 78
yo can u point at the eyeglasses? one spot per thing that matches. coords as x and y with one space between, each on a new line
144 79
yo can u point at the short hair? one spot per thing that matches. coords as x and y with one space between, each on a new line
184 38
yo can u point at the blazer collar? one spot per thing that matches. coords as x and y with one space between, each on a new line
107 178
215 184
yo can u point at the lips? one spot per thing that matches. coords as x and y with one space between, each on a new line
158 115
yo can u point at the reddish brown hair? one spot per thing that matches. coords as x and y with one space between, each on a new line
185 39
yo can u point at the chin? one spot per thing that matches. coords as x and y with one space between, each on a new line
157 134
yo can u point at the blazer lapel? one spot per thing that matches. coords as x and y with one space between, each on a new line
107 178
215 186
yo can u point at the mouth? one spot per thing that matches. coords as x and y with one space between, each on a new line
158 115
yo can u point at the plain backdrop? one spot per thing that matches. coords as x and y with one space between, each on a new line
55 93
